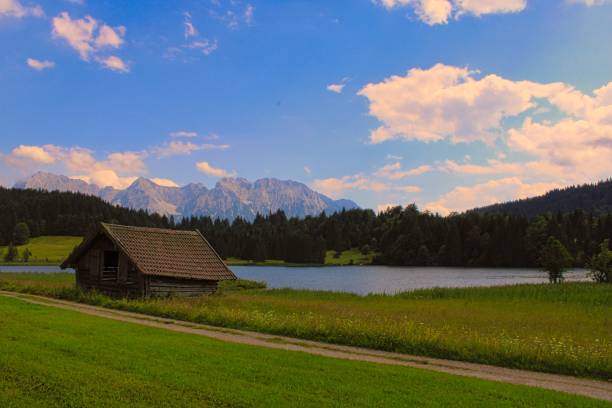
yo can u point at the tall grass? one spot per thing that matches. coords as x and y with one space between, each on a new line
554 328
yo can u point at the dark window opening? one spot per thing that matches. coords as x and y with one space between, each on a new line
111 265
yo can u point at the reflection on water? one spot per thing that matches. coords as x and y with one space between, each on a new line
370 279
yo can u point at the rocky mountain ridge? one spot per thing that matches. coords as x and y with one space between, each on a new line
229 199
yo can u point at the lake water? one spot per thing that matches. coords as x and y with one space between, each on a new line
372 279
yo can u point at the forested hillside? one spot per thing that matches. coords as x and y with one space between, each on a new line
594 198
401 236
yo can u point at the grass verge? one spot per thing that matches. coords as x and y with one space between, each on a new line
121 364
553 328
46 250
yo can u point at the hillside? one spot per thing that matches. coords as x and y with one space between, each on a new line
593 198
229 199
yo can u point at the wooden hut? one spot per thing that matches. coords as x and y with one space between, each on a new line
122 261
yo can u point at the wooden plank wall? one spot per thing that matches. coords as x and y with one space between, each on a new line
161 286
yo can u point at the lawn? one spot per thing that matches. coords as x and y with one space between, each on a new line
46 249
553 328
52 357
349 257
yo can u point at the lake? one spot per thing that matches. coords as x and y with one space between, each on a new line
372 279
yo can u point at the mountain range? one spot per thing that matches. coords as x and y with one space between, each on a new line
229 199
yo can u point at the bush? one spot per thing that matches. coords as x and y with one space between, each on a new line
240 284
600 265
11 254
21 234
555 259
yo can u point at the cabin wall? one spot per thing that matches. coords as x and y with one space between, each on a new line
89 272
161 286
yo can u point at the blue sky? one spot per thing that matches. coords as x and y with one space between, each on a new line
446 103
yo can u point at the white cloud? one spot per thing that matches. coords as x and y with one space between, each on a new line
206 46
164 182
446 102
180 148
589 3
307 170
393 157
249 13
493 191
90 37
434 12
78 33
127 162
207 169
118 169
481 7
38 64
394 171
109 37
115 63
190 30
183 133
233 13
36 154
336 88
14 8
335 187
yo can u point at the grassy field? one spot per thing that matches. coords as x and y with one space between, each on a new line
349 257
46 249
554 328
52 357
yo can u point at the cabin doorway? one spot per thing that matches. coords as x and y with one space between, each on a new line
110 269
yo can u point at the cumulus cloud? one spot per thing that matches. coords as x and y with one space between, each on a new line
115 63
117 170
14 8
446 102
336 88
335 187
164 182
394 171
39 65
207 169
434 12
493 191
89 37
109 37
36 154
181 148
571 143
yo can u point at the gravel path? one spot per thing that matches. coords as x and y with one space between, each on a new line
580 386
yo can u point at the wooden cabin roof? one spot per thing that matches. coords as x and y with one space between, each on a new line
162 252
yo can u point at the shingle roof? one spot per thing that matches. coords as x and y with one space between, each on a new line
163 252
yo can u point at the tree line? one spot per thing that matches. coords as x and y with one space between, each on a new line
398 236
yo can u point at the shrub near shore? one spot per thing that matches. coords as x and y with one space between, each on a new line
560 328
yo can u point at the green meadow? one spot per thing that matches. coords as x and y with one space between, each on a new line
121 364
46 249
552 328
